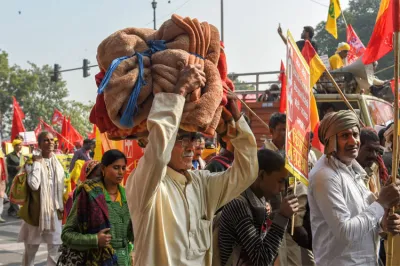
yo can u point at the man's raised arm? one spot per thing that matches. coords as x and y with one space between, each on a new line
163 125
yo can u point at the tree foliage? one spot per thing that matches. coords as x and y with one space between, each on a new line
37 96
361 14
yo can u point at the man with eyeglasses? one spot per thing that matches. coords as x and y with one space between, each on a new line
172 207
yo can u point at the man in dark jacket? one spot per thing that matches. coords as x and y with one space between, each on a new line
13 162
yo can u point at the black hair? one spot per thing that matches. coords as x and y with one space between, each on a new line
110 156
310 31
368 134
221 142
270 161
381 134
325 106
199 136
42 135
88 141
275 119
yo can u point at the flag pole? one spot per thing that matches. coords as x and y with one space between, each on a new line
342 95
395 157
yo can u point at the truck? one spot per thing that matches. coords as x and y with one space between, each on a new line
374 112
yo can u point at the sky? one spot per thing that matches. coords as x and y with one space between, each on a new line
66 32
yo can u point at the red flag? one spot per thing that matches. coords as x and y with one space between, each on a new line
92 135
357 48
74 134
65 142
38 128
57 118
17 125
282 79
381 41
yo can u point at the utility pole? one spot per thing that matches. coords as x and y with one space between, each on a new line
154 5
222 20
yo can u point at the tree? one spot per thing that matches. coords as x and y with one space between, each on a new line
38 96
239 84
361 14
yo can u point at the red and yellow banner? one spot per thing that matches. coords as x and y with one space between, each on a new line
297 112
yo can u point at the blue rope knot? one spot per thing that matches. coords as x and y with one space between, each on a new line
132 108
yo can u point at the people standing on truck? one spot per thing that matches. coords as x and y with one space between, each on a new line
277 128
270 95
339 59
246 233
346 217
306 35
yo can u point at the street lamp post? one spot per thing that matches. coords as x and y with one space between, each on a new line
222 20
154 5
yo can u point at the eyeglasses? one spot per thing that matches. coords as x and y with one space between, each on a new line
185 141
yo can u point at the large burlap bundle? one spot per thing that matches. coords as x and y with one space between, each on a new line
143 62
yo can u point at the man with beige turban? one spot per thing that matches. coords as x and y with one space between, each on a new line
346 217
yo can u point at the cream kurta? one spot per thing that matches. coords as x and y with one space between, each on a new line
172 214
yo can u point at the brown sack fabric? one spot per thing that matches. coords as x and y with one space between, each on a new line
128 95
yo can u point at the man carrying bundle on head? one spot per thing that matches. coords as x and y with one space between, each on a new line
346 218
171 206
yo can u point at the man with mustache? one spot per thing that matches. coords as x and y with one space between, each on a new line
171 206
369 157
346 218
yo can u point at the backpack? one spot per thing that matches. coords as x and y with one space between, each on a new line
235 256
18 191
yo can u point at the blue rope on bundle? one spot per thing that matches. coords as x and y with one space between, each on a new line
132 108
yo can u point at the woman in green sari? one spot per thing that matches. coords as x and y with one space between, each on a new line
98 230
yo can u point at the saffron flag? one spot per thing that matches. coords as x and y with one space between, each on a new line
282 79
381 41
57 118
18 115
317 68
333 14
357 48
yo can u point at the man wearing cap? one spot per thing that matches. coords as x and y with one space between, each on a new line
346 218
13 162
339 59
306 35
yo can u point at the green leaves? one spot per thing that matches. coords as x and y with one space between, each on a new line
38 97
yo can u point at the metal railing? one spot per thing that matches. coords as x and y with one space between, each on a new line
257 83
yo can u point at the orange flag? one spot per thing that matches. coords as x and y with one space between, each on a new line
381 41
317 68
17 125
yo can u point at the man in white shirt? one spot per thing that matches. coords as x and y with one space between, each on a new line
346 217
172 207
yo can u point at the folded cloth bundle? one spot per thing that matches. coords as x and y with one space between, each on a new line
139 63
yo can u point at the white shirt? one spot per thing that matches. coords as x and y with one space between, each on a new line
344 215
172 213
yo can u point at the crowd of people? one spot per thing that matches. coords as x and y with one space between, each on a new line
236 208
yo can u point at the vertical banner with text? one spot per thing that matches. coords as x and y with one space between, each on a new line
298 112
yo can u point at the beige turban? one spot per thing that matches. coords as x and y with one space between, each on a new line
332 124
